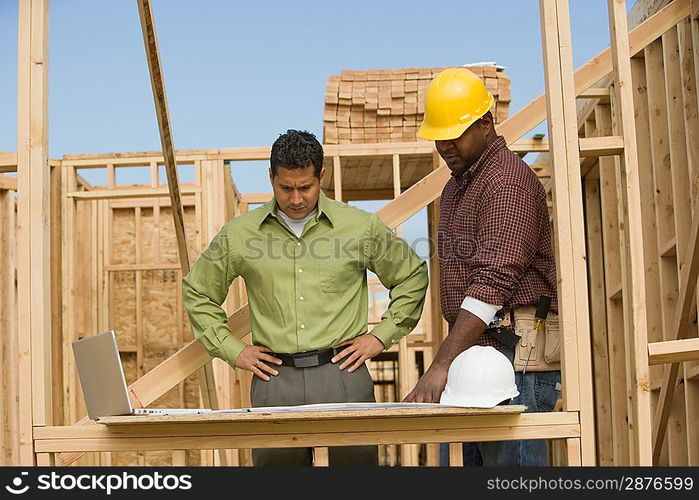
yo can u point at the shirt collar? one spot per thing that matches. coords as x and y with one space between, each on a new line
325 208
463 177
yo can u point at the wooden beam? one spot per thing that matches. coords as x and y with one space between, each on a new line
456 455
337 178
254 198
598 322
683 327
8 183
568 218
126 193
673 351
8 160
601 93
34 264
206 380
636 347
601 146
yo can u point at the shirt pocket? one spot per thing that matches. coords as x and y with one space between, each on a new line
336 276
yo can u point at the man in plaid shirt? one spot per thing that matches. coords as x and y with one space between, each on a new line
494 246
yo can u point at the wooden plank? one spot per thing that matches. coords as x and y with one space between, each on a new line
598 323
688 76
456 456
34 318
154 178
208 388
601 93
662 187
686 241
267 440
8 182
678 142
406 357
254 198
138 244
673 351
689 44
567 213
651 248
573 452
637 352
337 178
320 456
601 146
125 193
682 328
9 411
55 226
111 176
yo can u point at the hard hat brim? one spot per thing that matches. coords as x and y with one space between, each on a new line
483 401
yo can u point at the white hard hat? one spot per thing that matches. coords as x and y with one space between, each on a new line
480 377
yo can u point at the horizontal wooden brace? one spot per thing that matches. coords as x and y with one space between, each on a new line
601 146
601 93
115 194
8 182
673 351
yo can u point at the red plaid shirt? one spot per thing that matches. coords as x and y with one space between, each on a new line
495 237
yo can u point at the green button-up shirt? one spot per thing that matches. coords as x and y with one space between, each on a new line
304 293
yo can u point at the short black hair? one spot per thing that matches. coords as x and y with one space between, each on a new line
296 149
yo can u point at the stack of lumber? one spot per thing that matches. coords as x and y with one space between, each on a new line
388 105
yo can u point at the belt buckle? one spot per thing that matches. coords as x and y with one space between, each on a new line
306 361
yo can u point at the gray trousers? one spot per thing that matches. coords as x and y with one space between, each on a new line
318 384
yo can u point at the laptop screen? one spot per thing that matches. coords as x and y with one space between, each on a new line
101 375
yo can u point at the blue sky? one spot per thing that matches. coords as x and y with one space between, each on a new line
240 73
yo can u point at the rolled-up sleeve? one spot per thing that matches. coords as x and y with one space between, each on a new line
205 288
400 270
508 236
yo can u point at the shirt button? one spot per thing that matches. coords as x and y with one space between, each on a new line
302 325
301 298
298 243
300 270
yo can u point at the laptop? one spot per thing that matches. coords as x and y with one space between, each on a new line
103 383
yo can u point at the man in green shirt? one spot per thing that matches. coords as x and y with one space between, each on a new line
304 259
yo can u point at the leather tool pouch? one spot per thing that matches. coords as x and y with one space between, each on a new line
538 351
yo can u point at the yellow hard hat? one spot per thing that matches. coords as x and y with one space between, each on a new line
455 99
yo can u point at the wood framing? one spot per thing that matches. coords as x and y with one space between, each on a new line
34 264
206 378
634 326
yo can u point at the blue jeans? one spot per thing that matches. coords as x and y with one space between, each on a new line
539 392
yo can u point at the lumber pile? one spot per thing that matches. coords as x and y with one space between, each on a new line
388 105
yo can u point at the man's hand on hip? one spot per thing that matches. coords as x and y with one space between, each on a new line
358 350
430 386
253 357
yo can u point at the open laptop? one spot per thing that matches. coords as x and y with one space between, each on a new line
103 383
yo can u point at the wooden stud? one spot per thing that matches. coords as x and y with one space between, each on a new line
598 319
208 390
337 178
567 211
637 356
673 351
456 456
320 456
612 263
34 318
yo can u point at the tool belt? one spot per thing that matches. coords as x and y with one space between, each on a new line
309 359
536 350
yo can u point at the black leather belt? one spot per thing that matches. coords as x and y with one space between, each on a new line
309 359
